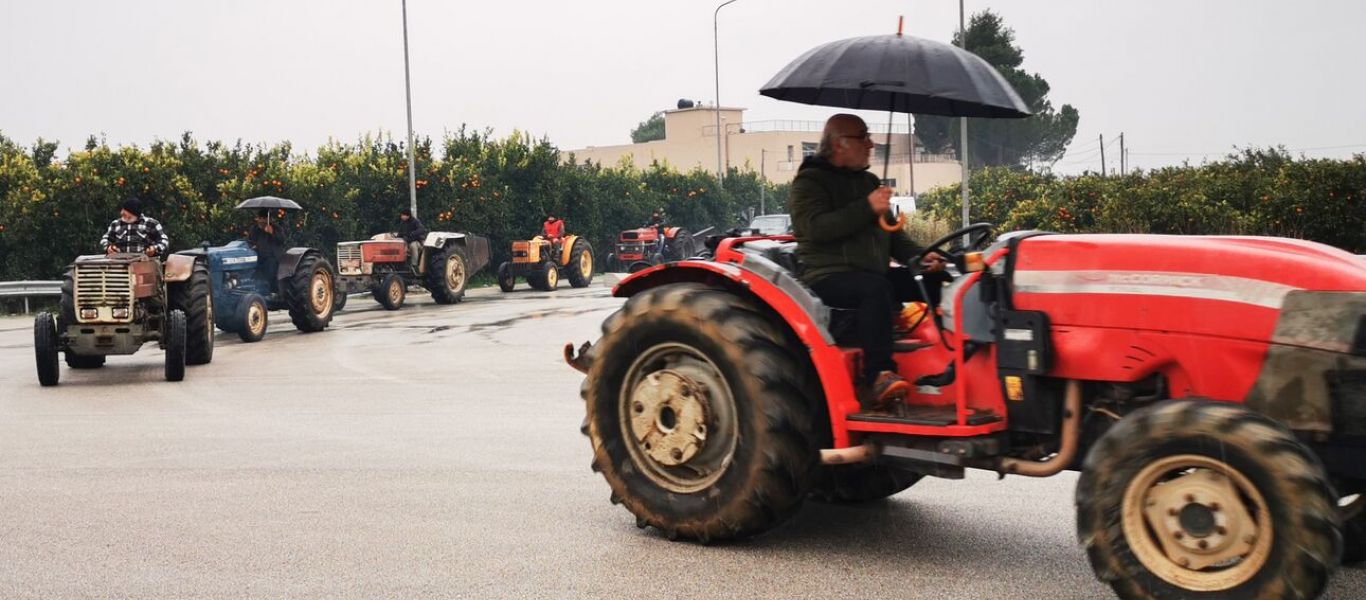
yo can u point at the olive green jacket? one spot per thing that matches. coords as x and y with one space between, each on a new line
836 230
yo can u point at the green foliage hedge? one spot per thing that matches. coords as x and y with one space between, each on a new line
51 209
1255 192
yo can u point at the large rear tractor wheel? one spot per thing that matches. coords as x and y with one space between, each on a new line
391 292
506 280
699 416
195 299
311 293
252 319
448 275
1354 529
84 361
580 265
853 484
45 346
1197 499
175 341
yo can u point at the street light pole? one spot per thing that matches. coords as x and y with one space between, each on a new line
963 128
408 91
716 58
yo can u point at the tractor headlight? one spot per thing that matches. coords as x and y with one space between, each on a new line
90 314
230 281
120 313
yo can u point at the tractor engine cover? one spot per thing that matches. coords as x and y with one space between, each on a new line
386 251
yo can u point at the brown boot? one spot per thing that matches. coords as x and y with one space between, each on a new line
885 392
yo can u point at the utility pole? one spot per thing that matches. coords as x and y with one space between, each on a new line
1102 155
910 169
963 145
1123 156
408 90
716 58
763 178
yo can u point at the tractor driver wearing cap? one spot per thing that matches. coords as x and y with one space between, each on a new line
835 205
132 232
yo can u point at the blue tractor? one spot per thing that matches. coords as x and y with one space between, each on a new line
244 291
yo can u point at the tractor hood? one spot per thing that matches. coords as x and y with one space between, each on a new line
233 256
1230 286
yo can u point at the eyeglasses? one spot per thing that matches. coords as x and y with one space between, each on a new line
865 136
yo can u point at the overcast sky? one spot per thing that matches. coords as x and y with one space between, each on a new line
1182 78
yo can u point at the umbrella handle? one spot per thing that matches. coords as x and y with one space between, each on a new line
892 227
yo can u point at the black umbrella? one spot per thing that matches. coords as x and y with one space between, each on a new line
897 73
269 202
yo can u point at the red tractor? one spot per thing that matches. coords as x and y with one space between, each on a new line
639 249
1210 390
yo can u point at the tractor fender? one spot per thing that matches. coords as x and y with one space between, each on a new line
290 261
476 247
773 288
178 267
567 248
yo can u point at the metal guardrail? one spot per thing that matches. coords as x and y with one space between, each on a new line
29 289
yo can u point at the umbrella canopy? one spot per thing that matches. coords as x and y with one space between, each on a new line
899 74
269 202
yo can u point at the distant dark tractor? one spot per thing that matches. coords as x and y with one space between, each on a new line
639 249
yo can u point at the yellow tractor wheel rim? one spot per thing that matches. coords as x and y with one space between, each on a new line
586 264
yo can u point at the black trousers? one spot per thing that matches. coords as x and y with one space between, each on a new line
877 300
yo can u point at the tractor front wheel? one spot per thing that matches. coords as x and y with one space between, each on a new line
1195 498
580 265
448 275
311 293
698 414
252 318
506 280
391 292
45 346
175 339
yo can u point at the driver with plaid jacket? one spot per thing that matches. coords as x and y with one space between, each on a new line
134 233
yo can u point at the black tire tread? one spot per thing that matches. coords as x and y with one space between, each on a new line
175 340
195 298
576 277
436 276
45 347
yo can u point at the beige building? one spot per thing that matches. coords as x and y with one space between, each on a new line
771 148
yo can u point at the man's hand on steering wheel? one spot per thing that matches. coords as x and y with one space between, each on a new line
978 235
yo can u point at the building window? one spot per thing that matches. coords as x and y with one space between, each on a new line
879 152
808 149
891 183
789 153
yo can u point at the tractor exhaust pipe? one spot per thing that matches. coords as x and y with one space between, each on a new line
580 362
1067 452
848 456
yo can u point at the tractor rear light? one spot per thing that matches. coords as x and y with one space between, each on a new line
89 314
120 313
974 262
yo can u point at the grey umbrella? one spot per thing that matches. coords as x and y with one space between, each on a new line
897 73
269 202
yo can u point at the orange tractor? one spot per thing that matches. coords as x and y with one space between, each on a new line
543 263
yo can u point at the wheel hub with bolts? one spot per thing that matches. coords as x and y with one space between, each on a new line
1196 527
669 417
455 273
322 293
678 415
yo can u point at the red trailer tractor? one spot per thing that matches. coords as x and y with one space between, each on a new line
1210 390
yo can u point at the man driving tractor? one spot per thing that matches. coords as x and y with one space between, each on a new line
412 231
835 205
134 233
269 243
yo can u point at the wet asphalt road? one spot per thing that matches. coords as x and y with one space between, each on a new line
434 452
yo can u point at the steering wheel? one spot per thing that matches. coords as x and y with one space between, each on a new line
977 233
